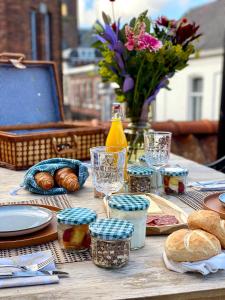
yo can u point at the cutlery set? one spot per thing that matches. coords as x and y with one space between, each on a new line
30 270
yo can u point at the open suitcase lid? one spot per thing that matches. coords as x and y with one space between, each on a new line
29 95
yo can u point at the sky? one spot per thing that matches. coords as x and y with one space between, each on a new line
90 10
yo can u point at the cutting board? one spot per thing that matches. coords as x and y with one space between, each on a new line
168 208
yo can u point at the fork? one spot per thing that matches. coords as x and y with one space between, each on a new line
34 267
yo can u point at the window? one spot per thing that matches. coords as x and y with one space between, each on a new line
47 26
64 9
33 23
196 98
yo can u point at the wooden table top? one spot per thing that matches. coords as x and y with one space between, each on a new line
145 276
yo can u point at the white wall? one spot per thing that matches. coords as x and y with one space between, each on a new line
175 104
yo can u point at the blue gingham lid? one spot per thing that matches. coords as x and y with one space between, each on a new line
174 171
76 216
129 202
139 170
111 229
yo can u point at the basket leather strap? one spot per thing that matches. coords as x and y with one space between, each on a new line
65 148
15 59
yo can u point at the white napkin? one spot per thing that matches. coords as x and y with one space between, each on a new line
212 185
28 259
211 265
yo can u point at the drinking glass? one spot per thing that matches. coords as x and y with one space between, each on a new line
108 165
157 150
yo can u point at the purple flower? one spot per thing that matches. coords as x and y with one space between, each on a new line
128 83
119 60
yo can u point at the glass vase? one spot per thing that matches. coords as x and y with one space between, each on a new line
135 133
135 138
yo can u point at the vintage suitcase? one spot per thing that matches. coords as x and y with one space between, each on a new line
32 126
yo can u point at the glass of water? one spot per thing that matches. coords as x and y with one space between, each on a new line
108 165
157 150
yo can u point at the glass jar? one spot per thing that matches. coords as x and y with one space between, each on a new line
110 242
132 208
140 179
73 228
174 180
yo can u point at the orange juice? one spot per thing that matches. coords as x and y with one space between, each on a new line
116 137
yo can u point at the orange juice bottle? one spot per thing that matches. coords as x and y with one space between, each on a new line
116 137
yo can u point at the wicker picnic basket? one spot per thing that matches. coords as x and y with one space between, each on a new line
32 126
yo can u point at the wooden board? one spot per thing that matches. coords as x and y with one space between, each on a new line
212 202
45 235
167 208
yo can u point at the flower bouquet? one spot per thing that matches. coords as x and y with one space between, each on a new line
141 57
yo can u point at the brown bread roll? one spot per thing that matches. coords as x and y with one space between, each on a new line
191 245
67 179
44 180
209 221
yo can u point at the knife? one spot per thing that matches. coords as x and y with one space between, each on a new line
9 274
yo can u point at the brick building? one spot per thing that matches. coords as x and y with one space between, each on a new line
69 24
32 27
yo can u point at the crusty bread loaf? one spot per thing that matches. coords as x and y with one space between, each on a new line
191 245
209 221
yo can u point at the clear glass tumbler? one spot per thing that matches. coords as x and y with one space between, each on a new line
157 150
108 165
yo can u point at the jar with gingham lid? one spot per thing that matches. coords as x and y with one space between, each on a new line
174 179
140 179
110 242
133 208
73 228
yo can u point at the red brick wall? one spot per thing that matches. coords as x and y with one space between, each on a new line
69 25
15 30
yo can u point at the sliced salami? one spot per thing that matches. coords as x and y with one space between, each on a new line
160 220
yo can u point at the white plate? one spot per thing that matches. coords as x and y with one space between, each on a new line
23 219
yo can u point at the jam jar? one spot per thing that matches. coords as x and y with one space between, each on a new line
110 242
132 208
174 180
140 179
73 228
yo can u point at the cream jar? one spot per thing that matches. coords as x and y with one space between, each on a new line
132 208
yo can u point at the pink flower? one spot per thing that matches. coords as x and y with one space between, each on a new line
147 41
130 44
141 40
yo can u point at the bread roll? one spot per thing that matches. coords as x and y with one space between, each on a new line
191 245
209 221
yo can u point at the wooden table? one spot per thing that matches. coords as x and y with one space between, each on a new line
144 277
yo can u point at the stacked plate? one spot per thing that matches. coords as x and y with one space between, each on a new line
17 220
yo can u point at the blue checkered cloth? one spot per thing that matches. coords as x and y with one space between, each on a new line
51 165
129 202
76 216
111 229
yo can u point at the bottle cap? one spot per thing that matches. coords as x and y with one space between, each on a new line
117 112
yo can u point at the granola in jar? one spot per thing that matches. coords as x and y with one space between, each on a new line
110 242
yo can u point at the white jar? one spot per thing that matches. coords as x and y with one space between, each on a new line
132 208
